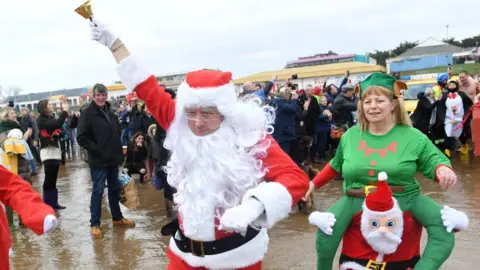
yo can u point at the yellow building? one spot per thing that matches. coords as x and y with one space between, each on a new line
311 74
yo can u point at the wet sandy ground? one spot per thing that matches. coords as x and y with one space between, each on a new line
292 241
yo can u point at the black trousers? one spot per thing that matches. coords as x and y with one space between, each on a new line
136 169
51 173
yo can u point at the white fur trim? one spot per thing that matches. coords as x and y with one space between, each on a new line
382 176
352 265
132 73
246 255
275 198
10 252
202 97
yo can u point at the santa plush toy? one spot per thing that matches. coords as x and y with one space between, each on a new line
382 232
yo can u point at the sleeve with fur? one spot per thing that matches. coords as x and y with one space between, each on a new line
324 176
19 195
136 78
286 184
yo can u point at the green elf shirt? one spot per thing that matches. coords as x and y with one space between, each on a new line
400 153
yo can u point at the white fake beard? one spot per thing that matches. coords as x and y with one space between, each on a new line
211 173
386 243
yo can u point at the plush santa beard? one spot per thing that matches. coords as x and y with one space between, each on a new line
211 173
382 242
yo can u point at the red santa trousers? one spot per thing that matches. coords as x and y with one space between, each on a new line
176 263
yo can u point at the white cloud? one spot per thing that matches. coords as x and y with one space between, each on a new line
45 45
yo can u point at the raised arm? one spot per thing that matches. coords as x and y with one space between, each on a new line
135 77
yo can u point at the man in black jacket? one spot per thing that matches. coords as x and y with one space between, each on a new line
344 106
99 133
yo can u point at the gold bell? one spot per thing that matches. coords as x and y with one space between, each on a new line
85 10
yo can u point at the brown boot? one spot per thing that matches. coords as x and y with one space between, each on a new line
124 222
96 232
169 208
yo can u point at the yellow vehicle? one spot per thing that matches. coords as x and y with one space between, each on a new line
415 87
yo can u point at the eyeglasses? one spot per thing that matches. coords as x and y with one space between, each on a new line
204 116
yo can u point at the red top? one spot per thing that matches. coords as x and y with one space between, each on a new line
19 195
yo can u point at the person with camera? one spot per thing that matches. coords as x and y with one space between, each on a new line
50 152
285 102
344 106
263 93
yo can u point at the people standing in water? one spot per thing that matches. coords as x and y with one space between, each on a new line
385 141
14 160
50 129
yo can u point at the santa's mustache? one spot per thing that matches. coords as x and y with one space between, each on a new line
382 235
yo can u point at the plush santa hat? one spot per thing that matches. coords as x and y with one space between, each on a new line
381 200
205 88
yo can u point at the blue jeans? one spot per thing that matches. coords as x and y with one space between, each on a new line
33 165
98 178
125 136
73 136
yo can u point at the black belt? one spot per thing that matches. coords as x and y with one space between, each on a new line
400 265
200 248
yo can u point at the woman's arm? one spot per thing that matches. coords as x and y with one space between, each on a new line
430 158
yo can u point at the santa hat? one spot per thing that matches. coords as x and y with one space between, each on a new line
204 88
381 200
317 91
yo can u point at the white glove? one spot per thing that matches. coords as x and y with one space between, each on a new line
49 223
101 33
454 219
239 217
323 220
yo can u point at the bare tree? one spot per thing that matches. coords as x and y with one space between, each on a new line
8 92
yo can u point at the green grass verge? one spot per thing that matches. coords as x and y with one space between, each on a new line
470 68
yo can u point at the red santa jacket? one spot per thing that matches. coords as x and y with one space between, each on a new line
19 195
289 175
407 250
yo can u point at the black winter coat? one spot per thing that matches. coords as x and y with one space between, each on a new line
48 124
99 133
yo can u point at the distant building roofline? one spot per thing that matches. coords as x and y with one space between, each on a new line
318 58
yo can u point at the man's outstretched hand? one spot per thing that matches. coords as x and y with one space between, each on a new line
101 33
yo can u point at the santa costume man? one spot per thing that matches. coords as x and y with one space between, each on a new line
385 237
232 179
18 194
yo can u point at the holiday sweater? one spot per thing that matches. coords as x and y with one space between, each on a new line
400 153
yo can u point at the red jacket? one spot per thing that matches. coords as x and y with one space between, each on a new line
26 202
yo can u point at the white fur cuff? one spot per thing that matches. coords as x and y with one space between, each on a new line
132 73
275 198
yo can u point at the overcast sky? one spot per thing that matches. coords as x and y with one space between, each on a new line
45 45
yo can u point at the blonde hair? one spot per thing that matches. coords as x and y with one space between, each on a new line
150 130
400 114
4 113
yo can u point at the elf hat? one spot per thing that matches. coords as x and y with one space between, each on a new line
381 79
381 200
205 88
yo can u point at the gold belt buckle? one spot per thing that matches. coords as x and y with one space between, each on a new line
192 247
374 265
368 190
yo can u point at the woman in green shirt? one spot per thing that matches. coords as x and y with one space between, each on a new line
384 141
